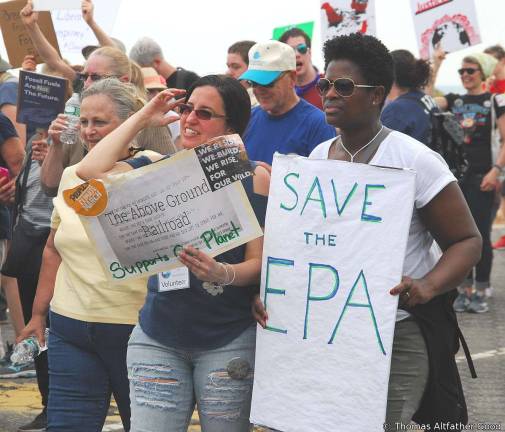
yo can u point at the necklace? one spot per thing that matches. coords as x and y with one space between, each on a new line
352 156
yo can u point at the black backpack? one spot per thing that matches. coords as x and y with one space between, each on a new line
446 137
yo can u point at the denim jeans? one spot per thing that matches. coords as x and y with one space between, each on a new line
87 362
166 382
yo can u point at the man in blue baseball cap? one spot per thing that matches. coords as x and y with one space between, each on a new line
283 122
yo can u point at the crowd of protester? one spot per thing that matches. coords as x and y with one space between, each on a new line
161 353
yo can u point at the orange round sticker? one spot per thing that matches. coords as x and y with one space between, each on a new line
87 199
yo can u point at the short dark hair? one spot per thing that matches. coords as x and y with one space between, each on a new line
410 72
242 48
369 53
295 32
496 51
237 104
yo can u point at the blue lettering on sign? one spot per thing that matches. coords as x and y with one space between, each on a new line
311 297
269 290
349 303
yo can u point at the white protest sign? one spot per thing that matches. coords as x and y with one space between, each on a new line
450 23
343 17
335 239
152 212
49 5
74 34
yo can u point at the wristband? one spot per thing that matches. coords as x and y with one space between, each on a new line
499 168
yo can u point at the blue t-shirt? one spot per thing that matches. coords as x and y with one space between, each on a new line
193 318
8 93
410 114
298 131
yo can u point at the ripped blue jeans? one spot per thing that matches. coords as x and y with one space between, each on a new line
165 384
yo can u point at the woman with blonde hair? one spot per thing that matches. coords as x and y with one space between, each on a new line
91 320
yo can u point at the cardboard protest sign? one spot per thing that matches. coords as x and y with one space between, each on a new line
49 5
343 17
335 240
74 34
150 213
307 27
40 98
451 23
16 39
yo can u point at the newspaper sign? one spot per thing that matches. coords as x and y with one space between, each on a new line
343 17
335 240
147 215
450 23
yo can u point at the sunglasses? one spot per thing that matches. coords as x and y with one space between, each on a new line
272 84
94 77
201 114
343 86
301 48
469 71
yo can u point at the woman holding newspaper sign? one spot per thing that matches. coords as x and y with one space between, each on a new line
424 383
196 344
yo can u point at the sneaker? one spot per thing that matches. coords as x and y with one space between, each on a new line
6 359
500 243
26 370
478 304
39 424
461 303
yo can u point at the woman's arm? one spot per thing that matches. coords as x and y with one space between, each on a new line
50 263
448 219
42 45
103 159
88 15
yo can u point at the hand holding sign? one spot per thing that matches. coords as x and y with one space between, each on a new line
28 15
203 266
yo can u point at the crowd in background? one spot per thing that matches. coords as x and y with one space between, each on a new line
160 353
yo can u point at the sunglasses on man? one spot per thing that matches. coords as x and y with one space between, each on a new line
301 48
93 76
201 114
469 71
343 86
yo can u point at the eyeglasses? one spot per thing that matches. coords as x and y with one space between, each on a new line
201 114
255 84
301 48
343 86
469 71
94 77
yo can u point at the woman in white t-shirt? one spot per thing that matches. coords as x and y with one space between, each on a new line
359 75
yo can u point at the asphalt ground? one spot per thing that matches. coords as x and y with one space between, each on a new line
485 396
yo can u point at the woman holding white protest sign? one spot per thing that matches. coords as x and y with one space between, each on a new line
195 344
91 319
424 384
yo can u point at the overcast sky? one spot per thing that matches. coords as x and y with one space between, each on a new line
195 34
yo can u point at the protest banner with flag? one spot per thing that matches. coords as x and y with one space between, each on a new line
343 17
450 23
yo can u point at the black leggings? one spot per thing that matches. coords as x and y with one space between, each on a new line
481 206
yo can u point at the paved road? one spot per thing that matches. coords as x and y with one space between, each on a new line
484 333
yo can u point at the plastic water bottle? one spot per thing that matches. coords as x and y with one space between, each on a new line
29 348
73 112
